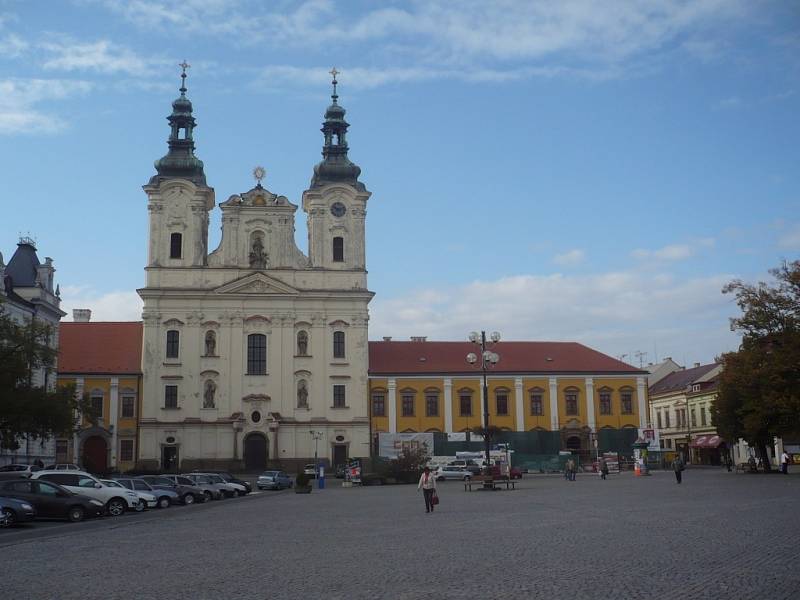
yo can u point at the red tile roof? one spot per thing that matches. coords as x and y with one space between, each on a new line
416 358
100 347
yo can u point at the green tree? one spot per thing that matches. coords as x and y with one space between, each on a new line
759 388
28 410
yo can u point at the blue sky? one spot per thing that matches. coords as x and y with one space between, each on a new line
588 171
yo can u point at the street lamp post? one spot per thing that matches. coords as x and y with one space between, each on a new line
317 436
487 360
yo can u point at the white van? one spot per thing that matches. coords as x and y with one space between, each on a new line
117 500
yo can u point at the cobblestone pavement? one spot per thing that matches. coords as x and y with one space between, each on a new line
718 535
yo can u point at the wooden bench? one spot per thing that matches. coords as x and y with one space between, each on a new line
479 481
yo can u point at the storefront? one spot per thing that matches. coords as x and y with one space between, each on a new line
708 450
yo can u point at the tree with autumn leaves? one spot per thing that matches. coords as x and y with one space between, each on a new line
759 387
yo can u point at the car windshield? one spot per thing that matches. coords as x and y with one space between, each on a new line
269 473
160 481
110 483
216 479
184 481
202 479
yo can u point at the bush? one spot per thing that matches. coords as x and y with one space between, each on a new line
301 479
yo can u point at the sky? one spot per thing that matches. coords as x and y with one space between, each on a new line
569 170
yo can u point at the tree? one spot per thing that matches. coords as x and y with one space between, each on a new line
27 409
759 387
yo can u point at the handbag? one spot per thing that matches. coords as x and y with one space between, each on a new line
435 499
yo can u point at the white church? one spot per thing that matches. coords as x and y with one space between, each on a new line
254 351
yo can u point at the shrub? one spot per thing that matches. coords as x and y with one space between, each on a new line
301 479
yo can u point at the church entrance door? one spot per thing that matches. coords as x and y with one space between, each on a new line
95 454
339 454
255 451
169 459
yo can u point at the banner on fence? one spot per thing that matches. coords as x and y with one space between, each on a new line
390 445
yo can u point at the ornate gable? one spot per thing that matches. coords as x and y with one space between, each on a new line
257 283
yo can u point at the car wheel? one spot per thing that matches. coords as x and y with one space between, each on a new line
163 502
8 518
208 496
75 514
140 506
188 499
115 507
236 493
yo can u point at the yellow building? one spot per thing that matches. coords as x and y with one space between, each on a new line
564 389
103 360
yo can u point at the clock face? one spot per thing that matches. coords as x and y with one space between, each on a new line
338 209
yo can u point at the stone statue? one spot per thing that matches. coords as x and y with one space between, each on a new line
302 344
302 394
208 395
211 343
258 258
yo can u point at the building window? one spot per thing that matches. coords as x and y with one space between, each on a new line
173 343
339 400
702 415
175 243
537 406
126 450
694 418
432 405
501 403
408 405
338 344
626 403
338 249
302 343
256 354
171 396
465 404
669 444
666 419
658 419
571 402
96 404
605 402
62 449
128 407
378 405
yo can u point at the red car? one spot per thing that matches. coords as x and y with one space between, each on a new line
513 473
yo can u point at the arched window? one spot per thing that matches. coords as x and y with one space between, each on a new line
175 245
378 403
96 403
432 403
302 343
256 354
338 249
338 344
626 402
173 343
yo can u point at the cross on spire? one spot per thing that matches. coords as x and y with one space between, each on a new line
334 72
184 65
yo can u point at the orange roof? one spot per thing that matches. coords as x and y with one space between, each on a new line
100 347
415 358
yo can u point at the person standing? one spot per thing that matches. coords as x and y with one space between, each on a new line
603 468
570 471
677 466
785 462
427 483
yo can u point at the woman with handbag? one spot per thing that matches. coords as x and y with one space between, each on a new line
427 483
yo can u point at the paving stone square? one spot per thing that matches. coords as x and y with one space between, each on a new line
717 535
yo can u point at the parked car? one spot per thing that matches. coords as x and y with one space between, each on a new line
146 500
513 473
51 501
221 488
274 480
116 500
187 493
13 511
164 497
452 472
230 489
63 467
17 471
311 470
207 491
229 478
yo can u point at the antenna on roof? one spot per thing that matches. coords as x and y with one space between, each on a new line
640 355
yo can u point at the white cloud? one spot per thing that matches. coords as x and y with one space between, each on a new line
21 100
572 257
671 252
616 312
790 238
12 46
102 56
110 306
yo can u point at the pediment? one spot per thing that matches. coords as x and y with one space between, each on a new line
257 283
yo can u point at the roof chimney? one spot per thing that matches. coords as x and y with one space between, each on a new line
419 338
81 315
387 338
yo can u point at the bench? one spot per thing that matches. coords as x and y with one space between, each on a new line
480 481
746 468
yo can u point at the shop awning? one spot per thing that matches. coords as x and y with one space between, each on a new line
707 441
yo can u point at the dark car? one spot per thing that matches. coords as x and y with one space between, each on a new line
513 473
17 471
52 501
13 511
207 491
188 493
229 478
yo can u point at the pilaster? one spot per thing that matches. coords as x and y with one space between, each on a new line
448 405
553 404
113 413
519 403
590 418
641 397
392 387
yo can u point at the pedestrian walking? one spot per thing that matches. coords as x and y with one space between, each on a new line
785 462
603 468
427 483
677 466
570 470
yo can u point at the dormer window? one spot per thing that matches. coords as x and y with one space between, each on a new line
175 245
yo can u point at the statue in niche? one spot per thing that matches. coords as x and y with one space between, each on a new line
208 394
258 257
211 343
302 344
302 394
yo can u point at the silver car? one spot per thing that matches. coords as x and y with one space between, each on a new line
452 472
274 480
219 487
232 490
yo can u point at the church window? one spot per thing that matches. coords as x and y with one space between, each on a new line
302 343
465 405
432 404
339 400
338 344
537 406
96 403
175 245
171 396
378 405
126 450
173 343
501 403
605 402
128 406
571 402
256 354
338 249
408 405
626 402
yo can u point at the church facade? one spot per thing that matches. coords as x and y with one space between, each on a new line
254 352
